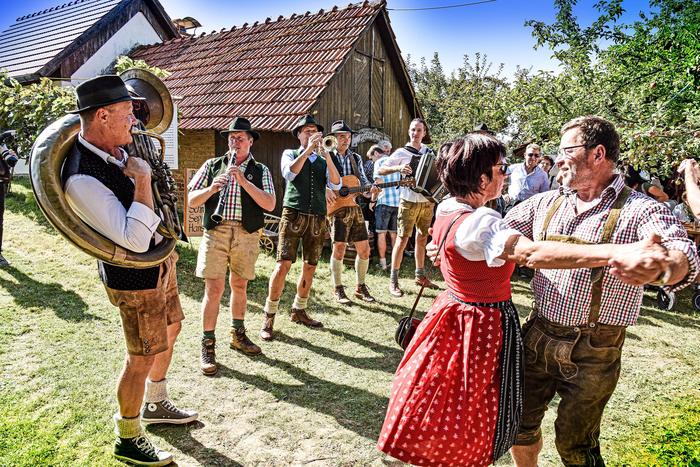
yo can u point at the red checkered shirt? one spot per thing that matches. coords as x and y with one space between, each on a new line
233 204
564 295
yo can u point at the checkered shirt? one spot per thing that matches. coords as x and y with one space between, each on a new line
346 164
389 196
233 209
564 295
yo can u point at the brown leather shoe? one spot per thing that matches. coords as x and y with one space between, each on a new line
340 296
300 316
395 290
425 282
362 292
239 341
207 361
266 333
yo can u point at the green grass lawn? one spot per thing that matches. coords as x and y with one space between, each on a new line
315 397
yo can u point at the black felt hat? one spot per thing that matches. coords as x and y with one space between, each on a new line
339 126
101 91
241 124
307 119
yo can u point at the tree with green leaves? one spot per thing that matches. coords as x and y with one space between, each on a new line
647 81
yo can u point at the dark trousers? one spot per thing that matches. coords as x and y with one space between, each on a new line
3 187
581 365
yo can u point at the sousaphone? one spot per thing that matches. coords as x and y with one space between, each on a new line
52 147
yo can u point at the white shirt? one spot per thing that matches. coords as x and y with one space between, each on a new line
482 235
99 208
402 157
289 156
523 184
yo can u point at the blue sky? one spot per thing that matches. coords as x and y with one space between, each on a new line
495 28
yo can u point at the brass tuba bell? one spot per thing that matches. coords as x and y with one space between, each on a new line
51 149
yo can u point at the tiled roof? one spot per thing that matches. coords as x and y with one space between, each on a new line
33 40
270 72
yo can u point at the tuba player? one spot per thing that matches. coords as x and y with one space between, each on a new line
111 192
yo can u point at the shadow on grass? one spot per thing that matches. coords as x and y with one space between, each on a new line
22 202
30 293
181 437
387 360
355 409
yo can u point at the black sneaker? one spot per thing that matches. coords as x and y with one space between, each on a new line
140 451
166 412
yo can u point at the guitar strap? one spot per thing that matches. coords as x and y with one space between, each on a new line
353 164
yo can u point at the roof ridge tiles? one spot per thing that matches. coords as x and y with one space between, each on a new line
47 10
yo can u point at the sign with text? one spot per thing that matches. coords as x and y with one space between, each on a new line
193 216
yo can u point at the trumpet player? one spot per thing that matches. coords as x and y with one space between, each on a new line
236 190
348 223
308 170
111 192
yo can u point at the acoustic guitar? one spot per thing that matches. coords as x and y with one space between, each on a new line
345 197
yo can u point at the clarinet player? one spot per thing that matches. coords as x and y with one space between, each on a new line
236 190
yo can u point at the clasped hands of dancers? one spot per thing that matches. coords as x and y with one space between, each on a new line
460 395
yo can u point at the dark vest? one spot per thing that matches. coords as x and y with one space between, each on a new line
336 161
253 216
83 161
307 192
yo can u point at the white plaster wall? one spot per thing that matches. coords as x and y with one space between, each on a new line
135 32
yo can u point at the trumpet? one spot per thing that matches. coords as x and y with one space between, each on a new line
329 143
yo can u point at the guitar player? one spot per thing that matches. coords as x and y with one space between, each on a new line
347 223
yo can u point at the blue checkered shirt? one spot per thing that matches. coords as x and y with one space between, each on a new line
389 196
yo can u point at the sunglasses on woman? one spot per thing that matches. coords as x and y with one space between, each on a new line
503 167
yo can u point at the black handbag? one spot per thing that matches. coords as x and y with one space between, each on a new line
408 324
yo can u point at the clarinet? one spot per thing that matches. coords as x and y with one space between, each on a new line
218 214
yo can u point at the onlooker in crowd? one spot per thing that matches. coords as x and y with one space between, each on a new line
642 182
414 209
690 170
241 189
574 337
111 192
527 178
386 210
303 220
368 201
385 144
347 223
547 164
8 159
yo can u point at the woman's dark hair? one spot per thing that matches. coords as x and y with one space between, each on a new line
444 150
548 158
632 177
467 159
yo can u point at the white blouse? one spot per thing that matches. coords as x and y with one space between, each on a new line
481 236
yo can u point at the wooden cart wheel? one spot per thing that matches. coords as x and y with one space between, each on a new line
267 245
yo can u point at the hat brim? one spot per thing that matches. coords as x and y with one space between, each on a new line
253 133
105 104
295 131
342 131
